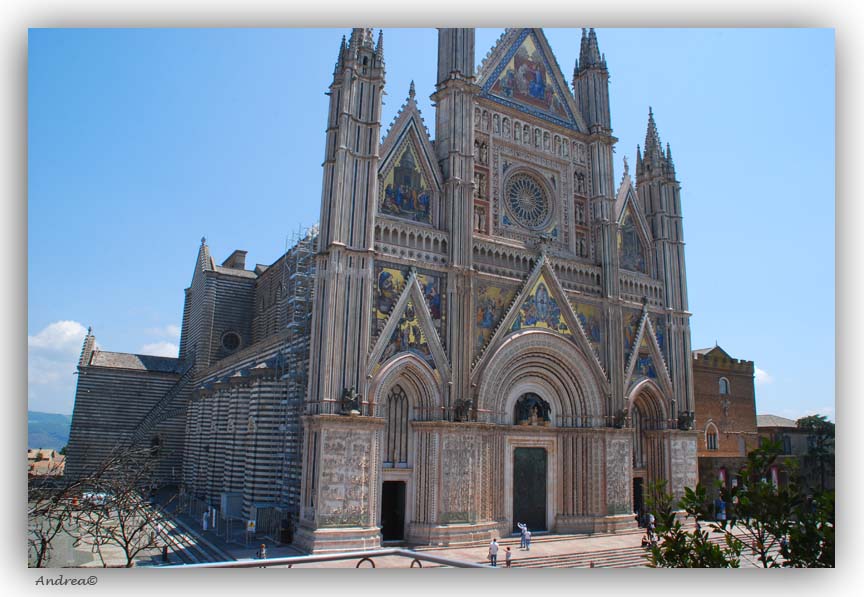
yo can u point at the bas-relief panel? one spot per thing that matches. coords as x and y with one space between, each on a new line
406 190
618 477
390 283
344 480
592 321
683 474
631 252
491 305
458 463
541 310
525 81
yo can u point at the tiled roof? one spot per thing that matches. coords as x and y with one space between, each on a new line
240 273
774 421
141 362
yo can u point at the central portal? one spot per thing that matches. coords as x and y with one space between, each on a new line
393 511
529 488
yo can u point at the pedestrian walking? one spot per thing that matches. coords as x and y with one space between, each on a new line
493 552
523 528
508 556
527 540
262 552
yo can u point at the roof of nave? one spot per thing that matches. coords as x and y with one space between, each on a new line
140 362
774 421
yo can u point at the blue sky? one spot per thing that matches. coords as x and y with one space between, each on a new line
140 142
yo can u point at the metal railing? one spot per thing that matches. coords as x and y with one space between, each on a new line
367 556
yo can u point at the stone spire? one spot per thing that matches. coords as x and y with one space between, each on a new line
591 85
340 60
379 47
589 52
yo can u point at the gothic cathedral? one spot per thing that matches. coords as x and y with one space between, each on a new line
498 335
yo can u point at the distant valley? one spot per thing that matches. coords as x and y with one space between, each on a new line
47 430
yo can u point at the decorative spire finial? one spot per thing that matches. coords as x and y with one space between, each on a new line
626 166
411 91
203 240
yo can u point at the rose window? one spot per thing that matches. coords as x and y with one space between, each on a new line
526 201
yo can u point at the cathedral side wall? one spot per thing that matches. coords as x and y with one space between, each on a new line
109 405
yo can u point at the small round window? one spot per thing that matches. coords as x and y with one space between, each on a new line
231 341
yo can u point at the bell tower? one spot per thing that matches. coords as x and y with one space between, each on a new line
339 491
454 146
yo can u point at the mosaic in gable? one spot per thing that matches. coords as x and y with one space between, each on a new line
407 194
631 328
389 285
408 336
591 319
527 80
491 305
541 310
631 253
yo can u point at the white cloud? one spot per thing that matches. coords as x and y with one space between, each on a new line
60 336
160 349
52 360
170 331
762 377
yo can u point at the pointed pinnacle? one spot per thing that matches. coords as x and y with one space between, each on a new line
411 91
652 138
379 48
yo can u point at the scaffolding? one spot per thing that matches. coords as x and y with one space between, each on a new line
292 362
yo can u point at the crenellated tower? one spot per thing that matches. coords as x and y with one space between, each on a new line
660 199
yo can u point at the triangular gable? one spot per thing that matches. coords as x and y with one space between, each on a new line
521 72
647 361
541 304
633 239
715 353
390 283
411 181
410 328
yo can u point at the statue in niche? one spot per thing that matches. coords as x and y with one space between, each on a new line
485 120
546 141
506 127
537 138
532 410
462 411
517 129
685 420
480 182
350 402
496 124
476 117
526 134
579 179
477 150
620 419
484 153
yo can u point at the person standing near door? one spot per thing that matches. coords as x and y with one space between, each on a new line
527 540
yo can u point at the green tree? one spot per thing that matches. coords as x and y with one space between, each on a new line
820 444
781 526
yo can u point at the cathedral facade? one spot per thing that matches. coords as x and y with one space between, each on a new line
496 331
499 335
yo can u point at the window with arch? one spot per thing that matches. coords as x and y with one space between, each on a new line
711 437
724 386
396 429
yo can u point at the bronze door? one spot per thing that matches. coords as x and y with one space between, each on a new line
393 511
529 488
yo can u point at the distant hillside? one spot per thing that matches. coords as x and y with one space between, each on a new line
47 430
